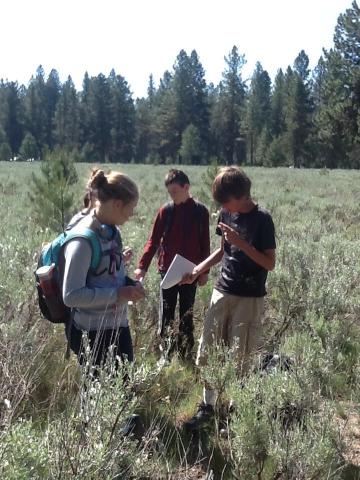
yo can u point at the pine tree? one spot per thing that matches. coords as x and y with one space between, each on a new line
52 94
36 111
337 117
189 101
51 195
200 113
28 148
5 151
67 117
330 116
297 113
96 117
258 112
164 135
301 65
277 115
122 120
142 129
84 113
11 114
191 149
228 111
151 91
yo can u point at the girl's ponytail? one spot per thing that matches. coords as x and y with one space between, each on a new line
114 185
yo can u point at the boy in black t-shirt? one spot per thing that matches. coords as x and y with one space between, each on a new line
247 253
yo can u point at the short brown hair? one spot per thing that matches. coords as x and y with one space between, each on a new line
176 176
114 185
230 182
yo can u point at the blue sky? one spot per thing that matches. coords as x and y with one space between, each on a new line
139 37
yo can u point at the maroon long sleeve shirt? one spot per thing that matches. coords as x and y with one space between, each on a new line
184 237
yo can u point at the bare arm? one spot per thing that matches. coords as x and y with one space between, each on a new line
205 265
265 259
210 261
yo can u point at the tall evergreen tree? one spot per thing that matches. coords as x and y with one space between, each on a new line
190 98
337 117
67 117
277 115
84 111
164 132
297 112
151 91
191 149
301 66
28 148
122 120
228 111
145 120
36 110
258 110
143 128
200 116
5 150
97 115
12 114
52 94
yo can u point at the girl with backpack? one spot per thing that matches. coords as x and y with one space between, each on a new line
89 202
98 298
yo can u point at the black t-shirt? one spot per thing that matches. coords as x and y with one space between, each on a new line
239 274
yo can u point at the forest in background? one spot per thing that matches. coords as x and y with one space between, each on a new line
303 118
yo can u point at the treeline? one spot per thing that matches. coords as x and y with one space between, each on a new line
309 119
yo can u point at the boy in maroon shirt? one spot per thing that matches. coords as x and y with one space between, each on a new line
180 227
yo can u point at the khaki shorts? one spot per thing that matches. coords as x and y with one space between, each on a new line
233 320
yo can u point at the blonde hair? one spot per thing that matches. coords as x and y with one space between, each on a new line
113 185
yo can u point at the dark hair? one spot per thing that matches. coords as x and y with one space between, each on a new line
176 176
87 200
114 185
230 182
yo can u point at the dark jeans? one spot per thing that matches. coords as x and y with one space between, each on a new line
99 342
184 342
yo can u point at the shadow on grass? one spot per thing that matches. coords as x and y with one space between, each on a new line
351 472
186 450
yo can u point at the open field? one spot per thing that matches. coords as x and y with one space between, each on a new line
302 424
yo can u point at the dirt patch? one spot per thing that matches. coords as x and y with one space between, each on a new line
349 426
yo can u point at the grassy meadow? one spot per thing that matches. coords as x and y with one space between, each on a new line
302 423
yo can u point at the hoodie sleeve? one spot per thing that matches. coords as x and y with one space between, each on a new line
76 294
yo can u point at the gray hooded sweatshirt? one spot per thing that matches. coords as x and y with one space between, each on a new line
93 295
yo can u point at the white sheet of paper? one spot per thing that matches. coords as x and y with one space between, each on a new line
178 268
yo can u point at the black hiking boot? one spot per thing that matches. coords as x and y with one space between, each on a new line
204 414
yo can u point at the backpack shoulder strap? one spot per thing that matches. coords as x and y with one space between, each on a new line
92 238
168 215
200 211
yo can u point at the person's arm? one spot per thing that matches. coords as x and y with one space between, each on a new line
265 259
151 245
205 236
204 246
76 294
75 291
205 265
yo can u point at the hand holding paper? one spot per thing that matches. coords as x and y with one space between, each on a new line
179 267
